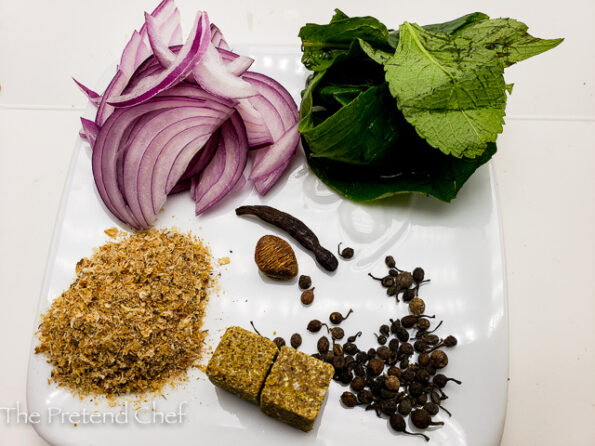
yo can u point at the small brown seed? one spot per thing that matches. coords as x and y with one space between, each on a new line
349 399
304 282
417 306
295 340
323 345
307 296
392 383
275 258
439 359
375 366
279 341
358 383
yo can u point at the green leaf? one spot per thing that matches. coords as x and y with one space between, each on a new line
507 38
377 55
450 89
362 132
339 15
431 173
323 44
457 25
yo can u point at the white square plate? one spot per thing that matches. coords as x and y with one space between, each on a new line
458 244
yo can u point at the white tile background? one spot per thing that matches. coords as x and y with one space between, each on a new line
546 186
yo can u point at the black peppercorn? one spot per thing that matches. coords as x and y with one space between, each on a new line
304 282
388 407
383 352
358 383
337 350
323 345
307 296
420 346
422 376
409 321
438 359
371 353
392 383
361 357
350 348
405 407
346 253
415 389
406 349
365 396
404 280
408 294
295 340
423 359
336 317
394 371
279 342
337 333
397 422
375 367
390 261
338 362
423 324
384 329
393 344
315 325
431 408
417 306
354 337
381 339
418 275
359 370
450 341
422 419
440 380
316 355
349 399
402 334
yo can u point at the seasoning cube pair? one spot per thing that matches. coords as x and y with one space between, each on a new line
292 389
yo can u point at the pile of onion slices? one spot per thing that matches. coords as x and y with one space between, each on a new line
181 116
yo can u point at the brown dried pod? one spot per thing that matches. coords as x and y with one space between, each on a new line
275 258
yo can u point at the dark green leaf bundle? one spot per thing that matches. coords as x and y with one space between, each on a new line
416 109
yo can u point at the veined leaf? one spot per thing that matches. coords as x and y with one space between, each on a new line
507 38
450 89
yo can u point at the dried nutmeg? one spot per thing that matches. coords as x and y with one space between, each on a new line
275 258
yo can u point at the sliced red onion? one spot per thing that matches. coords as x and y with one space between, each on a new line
94 98
275 155
108 146
202 158
212 75
174 159
257 131
232 154
182 186
217 38
270 115
89 131
277 95
191 52
264 184
156 134
236 64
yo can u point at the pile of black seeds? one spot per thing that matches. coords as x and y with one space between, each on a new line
401 376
